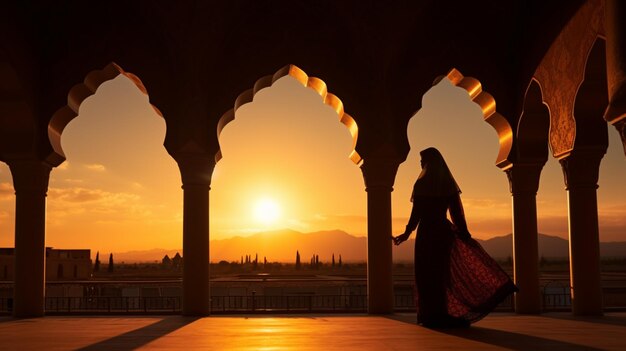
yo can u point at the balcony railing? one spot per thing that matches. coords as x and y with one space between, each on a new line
220 304
110 304
555 298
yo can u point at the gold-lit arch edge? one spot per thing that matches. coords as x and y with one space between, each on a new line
487 104
318 85
75 97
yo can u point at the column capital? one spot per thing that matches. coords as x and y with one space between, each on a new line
581 168
195 169
379 173
524 177
30 175
621 129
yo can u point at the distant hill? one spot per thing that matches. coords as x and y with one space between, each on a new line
281 246
138 256
549 247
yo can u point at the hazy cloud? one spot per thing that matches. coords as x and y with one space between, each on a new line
99 206
63 166
137 185
102 206
298 224
95 167
75 194
483 203
338 218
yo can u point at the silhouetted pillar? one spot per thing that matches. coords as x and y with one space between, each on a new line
196 177
30 180
524 182
379 177
581 169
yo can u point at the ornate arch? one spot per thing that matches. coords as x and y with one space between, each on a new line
77 94
561 73
310 82
487 104
533 127
591 100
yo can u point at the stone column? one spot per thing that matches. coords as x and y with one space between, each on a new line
581 168
30 180
524 182
196 177
379 175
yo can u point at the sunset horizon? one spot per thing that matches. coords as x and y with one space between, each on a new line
233 253
101 200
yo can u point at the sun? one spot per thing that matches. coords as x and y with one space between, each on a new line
266 211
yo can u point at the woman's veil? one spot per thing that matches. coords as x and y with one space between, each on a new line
435 178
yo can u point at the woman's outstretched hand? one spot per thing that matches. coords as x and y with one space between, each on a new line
400 238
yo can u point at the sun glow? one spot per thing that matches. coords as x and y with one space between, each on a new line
266 211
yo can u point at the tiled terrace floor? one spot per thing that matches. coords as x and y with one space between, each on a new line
552 331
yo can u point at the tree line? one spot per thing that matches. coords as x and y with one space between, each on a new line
110 267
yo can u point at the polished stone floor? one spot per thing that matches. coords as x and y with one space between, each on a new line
552 331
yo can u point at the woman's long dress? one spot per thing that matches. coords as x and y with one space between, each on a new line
456 281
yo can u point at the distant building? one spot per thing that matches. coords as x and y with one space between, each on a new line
61 264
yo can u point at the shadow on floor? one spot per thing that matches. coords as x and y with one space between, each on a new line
513 341
501 338
608 319
142 336
6 319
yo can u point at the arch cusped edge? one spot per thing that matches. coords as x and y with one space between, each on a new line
310 82
75 97
487 104
533 127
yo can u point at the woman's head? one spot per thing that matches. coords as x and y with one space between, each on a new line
432 156
435 178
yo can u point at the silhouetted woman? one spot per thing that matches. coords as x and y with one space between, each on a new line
457 282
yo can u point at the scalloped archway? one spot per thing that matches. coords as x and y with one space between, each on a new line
487 104
75 97
314 83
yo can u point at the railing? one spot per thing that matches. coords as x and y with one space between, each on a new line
289 303
556 297
112 304
354 303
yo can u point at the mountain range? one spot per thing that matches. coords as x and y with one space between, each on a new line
281 246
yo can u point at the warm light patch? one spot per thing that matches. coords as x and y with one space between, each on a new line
266 211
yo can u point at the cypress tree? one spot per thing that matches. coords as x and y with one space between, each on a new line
96 266
166 262
110 269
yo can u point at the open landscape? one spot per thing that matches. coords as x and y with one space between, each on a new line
352 248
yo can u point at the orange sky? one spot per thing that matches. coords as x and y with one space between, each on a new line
120 190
